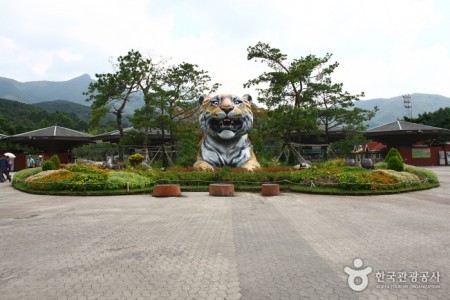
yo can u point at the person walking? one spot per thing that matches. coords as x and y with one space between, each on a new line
40 161
8 170
30 162
4 174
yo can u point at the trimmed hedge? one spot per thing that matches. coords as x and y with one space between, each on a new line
126 180
345 178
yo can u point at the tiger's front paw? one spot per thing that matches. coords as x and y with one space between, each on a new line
251 166
203 166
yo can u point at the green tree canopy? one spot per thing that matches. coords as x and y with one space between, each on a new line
286 81
112 91
304 83
439 118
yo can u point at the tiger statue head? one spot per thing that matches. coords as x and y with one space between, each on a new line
226 116
225 121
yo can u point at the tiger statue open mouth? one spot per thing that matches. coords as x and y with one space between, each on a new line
225 120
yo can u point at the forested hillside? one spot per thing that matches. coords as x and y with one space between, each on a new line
82 111
17 117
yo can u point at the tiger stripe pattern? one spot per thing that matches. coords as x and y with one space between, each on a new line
225 121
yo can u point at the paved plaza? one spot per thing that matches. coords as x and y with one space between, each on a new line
292 246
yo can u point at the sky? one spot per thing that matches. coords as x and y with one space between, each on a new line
385 48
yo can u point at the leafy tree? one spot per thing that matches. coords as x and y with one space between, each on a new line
112 91
143 120
287 80
188 137
303 89
147 73
175 96
336 107
439 118
180 88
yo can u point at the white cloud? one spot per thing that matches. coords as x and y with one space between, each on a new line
385 48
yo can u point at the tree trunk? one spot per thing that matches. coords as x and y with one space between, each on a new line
172 141
145 144
119 123
120 127
326 133
163 149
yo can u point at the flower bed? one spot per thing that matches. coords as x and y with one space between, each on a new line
85 178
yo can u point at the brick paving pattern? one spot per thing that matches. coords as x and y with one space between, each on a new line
292 246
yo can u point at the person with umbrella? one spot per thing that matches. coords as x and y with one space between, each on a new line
4 169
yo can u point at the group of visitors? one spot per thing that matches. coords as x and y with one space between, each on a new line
5 168
6 165
31 163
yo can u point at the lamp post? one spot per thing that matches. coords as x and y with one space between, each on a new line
408 104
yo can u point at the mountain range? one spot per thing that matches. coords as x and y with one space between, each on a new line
41 91
393 109
67 96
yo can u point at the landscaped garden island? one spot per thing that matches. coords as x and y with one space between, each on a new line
225 156
333 177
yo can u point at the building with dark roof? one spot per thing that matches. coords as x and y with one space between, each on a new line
54 138
51 140
419 145
154 135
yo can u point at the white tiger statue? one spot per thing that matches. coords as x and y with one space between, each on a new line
225 121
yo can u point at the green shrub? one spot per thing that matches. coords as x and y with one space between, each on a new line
48 165
120 180
381 165
395 163
136 159
56 161
393 153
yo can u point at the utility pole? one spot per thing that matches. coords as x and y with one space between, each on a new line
408 104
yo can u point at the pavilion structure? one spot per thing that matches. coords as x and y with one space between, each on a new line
50 140
419 145
154 135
